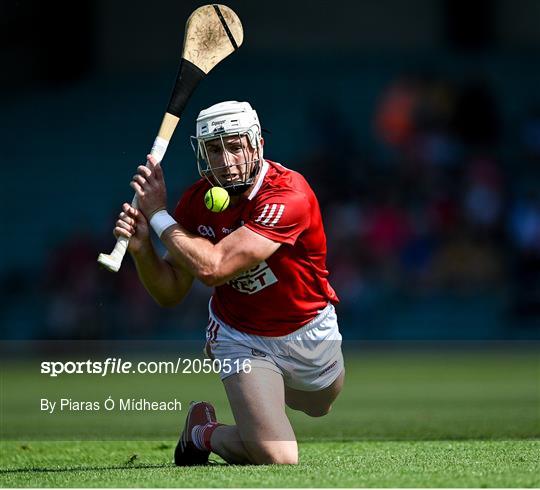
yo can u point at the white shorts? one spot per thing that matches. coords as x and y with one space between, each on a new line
309 359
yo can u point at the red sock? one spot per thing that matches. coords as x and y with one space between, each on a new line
201 435
208 430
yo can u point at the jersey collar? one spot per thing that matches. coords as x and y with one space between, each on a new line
260 180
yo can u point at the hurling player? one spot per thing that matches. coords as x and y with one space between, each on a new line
272 321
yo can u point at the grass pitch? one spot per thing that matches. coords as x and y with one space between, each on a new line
417 419
323 464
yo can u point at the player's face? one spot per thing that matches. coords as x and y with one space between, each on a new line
231 159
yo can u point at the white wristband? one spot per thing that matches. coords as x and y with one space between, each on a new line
160 221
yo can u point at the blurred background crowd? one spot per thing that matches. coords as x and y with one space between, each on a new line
417 124
435 215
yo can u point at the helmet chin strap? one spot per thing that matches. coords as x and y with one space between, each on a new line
239 189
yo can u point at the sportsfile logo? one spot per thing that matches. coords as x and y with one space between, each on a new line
254 280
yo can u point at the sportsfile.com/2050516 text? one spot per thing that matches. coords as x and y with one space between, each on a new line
113 365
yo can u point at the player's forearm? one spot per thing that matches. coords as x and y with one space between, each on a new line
160 279
198 255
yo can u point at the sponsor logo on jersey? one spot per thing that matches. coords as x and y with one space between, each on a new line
258 353
206 231
271 214
226 231
254 280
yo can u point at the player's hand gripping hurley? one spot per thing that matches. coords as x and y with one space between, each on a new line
213 32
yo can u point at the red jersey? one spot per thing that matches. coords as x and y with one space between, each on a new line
289 288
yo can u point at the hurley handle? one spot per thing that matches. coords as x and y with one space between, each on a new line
113 261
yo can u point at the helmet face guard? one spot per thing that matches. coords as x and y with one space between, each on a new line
219 170
225 124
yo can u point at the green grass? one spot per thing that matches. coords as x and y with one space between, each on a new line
360 464
330 464
442 419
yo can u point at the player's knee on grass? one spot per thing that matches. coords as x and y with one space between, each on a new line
273 452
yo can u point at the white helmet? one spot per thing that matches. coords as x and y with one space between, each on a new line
230 118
